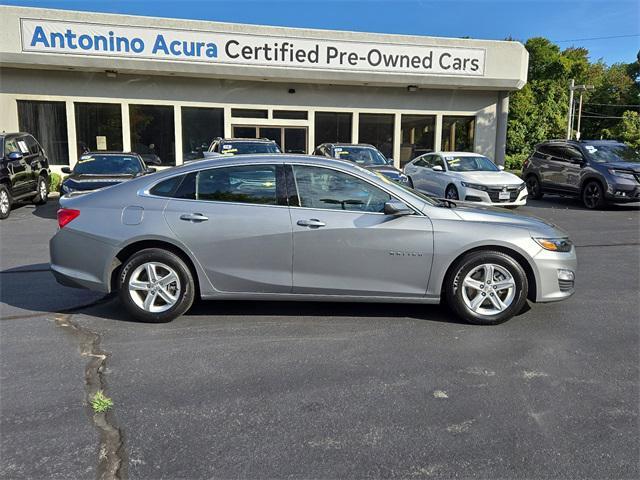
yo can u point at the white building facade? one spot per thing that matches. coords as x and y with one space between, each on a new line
85 81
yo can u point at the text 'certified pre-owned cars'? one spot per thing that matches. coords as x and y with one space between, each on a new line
596 171
466 176
365 156
291 227
97 170
24 171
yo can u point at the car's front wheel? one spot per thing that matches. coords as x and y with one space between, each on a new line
451 193
593 195
43 191
487 287
156 286
5 201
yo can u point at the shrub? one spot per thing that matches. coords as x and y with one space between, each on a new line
55 182
515 161
100 402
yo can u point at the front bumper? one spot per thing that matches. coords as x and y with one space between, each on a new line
623 191
552 267
481 197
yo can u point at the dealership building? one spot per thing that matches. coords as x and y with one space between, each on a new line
79 81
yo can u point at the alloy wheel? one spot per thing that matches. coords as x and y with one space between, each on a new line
4 202
42 189
488 289
592 195
451 193
154 287
532 186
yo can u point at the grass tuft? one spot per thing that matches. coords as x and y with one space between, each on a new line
100 402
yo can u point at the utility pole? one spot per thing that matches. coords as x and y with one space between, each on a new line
570 113
581 88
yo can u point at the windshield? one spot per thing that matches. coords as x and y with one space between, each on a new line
618 152
364 156
243 148
470 164
108 165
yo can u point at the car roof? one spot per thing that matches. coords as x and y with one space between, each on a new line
109 152
457 154
342 144
13 134
565 141
240 139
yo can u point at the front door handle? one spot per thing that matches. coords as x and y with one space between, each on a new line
193 217
312 222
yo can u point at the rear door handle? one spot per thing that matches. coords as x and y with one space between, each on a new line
193 217
312 222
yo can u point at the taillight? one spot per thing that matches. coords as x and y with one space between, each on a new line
525 164
66 215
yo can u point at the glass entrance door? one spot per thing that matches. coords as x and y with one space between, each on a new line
289 139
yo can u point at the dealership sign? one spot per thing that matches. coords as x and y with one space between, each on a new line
225 48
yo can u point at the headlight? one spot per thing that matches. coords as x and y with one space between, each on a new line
622 174
555 244
475 186
521 186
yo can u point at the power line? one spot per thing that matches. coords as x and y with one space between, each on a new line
614 104
595 116
597 38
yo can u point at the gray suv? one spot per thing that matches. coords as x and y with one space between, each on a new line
596 171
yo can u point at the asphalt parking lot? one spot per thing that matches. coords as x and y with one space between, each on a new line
273 390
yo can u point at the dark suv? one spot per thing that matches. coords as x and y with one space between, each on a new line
24 171
597 171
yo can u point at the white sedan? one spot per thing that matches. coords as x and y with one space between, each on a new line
469 177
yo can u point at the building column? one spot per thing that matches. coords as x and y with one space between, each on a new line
502 114
177 120
397 139
355 127
126 128
311 132
227 122
438 139
71 133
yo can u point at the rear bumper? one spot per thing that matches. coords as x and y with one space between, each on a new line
552 270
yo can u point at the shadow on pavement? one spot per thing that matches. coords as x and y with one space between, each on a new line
572 203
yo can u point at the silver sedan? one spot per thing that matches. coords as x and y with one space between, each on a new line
302 228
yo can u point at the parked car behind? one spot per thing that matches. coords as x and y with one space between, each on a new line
101 169
24 171
365 156
596 171
470 177
241 146
289 227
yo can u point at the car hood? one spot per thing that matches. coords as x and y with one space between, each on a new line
489 178
634 166
93 182
535 225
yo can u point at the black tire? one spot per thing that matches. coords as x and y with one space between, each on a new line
593 195
5 201
410 182
534 188
451 193
187 285
42 186
467 264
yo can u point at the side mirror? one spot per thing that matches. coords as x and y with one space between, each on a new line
500 167
396 207
151 170
437 168
15 156
66 170
389 161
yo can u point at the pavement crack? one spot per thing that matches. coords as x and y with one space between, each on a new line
111 461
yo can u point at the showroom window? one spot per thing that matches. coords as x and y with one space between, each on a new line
418 136
377 130
333 127
98 126
249 113
458 134
152 132
199 127
290 114
47 121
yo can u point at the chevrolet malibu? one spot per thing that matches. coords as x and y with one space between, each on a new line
284 227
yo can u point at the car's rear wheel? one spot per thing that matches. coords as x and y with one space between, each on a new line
156 286
451 193
43 191
534 188
593 195
5 202
487 287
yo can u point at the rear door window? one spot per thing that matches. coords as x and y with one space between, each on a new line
255 184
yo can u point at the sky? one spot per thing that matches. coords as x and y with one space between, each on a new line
567 22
